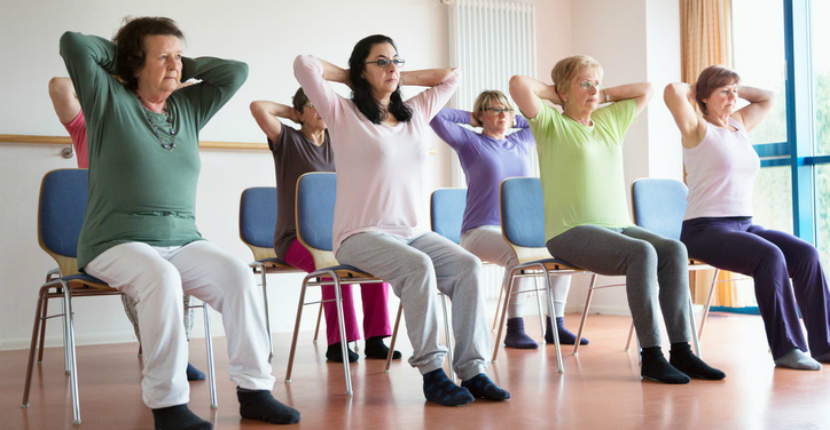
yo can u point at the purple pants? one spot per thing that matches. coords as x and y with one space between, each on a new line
374 297
771 258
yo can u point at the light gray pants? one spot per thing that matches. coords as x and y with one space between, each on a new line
487 243
417 269
647 260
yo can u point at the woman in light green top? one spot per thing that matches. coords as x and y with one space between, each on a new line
139 233
586 214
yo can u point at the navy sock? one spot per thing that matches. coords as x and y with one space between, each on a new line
335 353
682 359
565 335
260 405
482 387
375 348
194 374
516 336
656 368
178 417
439 389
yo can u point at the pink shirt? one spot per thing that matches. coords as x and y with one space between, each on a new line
721 173
380 178
77 132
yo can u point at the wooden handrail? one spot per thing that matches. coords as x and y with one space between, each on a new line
64 140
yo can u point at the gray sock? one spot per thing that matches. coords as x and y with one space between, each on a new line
797 359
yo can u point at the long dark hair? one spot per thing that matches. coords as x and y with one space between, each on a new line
362 91
130 43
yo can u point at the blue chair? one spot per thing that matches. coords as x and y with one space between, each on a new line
446 212
659 206
257 222
523 227
63 197
316 195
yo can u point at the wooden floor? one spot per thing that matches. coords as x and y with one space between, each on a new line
600 389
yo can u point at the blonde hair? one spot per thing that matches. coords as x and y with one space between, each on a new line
565 70
486 98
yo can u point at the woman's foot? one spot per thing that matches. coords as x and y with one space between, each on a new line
439 389
565 335
682 359
260 405
797 359
656 368
480 386
516 336
178 417
194 374
335 353
375 348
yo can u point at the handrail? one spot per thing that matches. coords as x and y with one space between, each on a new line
65 140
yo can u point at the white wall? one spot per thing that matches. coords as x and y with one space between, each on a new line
265 34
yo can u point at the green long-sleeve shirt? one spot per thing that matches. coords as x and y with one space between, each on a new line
138 190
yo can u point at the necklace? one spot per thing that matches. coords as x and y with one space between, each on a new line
156 130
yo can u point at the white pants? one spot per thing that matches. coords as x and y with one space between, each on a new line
487 243
156 277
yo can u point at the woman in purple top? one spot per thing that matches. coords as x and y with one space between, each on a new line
718 229
297 152
488 158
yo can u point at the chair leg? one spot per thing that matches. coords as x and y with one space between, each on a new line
69 319
214 402
498 305
43 316
508 292
708 303
630 336
539 306
319 319
693 326
394 339
296 331
344 344
67 361
585 313
448 334
559 367
39 321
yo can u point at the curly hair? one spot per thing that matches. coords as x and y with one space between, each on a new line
362 90
130 43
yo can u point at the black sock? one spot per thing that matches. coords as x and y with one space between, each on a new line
439 389
481 386
260 405
375 348
656 368
565 335
335 353
516 336
682 359
178 417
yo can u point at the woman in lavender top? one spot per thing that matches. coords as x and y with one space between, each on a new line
488 158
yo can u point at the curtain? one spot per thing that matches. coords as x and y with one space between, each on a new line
705 39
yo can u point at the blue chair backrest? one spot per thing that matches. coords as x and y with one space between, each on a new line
659 205
63 195
446 212
523 212
316 194
258 216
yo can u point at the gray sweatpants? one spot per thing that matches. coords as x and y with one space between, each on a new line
647 260
417 269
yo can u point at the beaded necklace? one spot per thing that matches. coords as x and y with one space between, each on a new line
156 130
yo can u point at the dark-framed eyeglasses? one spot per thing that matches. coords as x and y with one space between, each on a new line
385 63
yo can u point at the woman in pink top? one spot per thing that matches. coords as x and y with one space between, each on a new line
380 154
718 229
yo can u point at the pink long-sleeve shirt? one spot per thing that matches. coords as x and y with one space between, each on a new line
380 179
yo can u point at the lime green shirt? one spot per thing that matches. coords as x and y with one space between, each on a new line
582 167
138 190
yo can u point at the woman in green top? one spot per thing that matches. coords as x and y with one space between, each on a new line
139 232
586 214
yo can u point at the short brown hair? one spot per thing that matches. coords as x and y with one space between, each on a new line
299 100
486 98
130 43
565 70
712 78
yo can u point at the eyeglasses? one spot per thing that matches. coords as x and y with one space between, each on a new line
586 85
384 63
308 105
499 111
